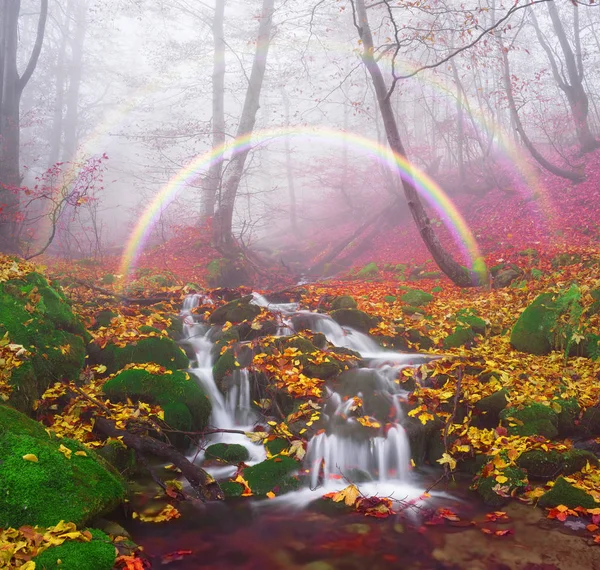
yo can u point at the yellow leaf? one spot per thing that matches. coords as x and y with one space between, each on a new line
446 458
501 479
348 495
81 453
30 457
65 451
271 495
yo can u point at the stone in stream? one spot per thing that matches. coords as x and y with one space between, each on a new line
563 493
355 319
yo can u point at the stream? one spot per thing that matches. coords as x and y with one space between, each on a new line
297 530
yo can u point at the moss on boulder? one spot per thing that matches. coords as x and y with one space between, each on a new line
235 311
460 337
496 494
470 318
158 349
563 493
369 270
416 297
227 452
37 316
67 482
273 475
185 405
97 554
487 410
343 302
546 465
533 419
355 319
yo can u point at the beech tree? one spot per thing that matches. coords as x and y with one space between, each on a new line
12 85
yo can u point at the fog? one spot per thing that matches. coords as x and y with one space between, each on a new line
131 87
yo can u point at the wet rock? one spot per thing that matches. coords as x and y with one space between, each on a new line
563 493
487 410
272 475
235 311
420 435
355 319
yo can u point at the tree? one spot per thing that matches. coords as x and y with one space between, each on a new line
222 236
459 274
569 76
11 89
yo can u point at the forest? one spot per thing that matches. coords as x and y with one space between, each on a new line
308 285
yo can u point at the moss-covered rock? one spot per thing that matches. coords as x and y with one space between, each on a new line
368 271
531 332
235 311
67 482
185 405
97 554
546 465
355 319
564 259
460 337
563 493
495 493
224 366
343 302
487 410
504 277
416 297
103 319
158 349
533 419
568 413
227 452
119 456
38 316
273 475
470 318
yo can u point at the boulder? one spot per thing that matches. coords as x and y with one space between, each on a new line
44 479
563 493
235 311
416 298
355 319
533 419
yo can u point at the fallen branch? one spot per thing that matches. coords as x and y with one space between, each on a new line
124 298
204 484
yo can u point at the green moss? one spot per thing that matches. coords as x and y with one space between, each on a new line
529 252
470 318
533 419
416 297
460 337
276 446
343 302
119 456
567 416
224 365
174 392
369 270
231 489
98 554
495 494
160 350
272 475
532 331
227 452
488 409
355 319
546 465
13 421
54 488
563 493
103 319
564 259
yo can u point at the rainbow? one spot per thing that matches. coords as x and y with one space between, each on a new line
426 187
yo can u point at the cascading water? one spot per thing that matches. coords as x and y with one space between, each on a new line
377 454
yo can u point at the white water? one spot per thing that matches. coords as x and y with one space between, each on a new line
345 446
230 412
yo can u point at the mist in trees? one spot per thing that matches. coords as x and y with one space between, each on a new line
102 103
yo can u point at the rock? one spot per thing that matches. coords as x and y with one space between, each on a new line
420 436
567 416
343 302
235 311
532 331
272 475
369 270
546 465
119 456
103 319
98 554
227 452
38 317
416 298
185 405
533 419
590 421
36 492
159 350
563 493
460 337
505 277
355 319
470 318
226 272
487 410
564 259
487 486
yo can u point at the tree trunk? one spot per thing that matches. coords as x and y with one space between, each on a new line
573 176
71 121
212 182
459 274
222 234
288 164
11 89
460 120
